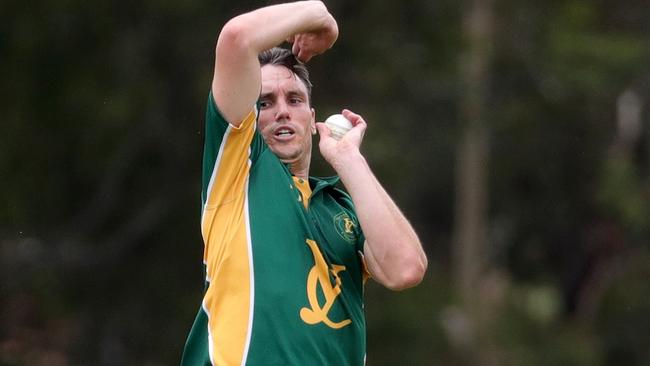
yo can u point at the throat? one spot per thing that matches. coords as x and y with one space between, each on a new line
298 167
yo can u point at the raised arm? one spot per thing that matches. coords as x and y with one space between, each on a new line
236 82
393 252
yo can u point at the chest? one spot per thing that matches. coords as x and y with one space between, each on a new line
282 228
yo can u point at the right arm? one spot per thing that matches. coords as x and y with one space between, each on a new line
237 81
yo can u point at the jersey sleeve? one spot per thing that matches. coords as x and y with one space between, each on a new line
346 201
229 154
237 148
360 243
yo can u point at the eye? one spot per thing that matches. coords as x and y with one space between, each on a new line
264 104
295 100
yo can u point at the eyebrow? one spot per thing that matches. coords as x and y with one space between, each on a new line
290 93
266 95
298 93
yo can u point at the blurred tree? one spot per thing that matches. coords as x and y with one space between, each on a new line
471 253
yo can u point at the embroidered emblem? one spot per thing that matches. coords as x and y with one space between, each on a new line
345 227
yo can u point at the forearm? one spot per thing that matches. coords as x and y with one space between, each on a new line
236 82
267 27
394 255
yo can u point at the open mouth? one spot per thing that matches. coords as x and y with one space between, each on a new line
284 132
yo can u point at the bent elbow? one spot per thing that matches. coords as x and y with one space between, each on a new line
234 36
410 276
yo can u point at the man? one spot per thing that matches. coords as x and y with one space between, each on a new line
286 254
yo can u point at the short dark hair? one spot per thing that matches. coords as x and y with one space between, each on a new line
283 57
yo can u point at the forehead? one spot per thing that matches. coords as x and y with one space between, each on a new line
275 77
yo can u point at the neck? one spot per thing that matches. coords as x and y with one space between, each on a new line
299 170
299 164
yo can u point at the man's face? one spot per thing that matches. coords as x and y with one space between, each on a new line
286 121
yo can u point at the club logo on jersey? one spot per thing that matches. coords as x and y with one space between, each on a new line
319 277
345 227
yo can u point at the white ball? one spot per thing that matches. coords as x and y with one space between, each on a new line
338 125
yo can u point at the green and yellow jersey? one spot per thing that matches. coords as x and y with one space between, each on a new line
284 273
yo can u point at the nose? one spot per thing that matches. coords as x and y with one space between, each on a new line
282 110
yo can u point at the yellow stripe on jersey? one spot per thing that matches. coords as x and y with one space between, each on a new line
305 190
227 253
365 273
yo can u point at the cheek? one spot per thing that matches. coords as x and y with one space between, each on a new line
263 121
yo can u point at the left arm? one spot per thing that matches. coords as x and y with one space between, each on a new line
393 252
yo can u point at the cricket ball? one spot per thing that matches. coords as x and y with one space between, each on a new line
338 125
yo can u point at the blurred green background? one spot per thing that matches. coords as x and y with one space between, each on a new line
515 135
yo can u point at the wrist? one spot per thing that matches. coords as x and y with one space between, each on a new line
350 161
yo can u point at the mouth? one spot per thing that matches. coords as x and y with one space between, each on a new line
284 133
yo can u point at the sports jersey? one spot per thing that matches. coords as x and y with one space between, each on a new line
284 277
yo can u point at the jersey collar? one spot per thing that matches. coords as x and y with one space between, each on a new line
318 183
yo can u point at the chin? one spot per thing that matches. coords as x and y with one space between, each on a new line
286 156
288 159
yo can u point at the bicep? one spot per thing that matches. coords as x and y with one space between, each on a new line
237 77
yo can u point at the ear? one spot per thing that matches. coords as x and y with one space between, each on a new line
312 123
